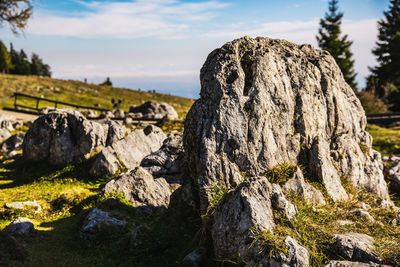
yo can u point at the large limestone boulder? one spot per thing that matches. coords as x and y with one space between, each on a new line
155 110
264 102
128 152
62 137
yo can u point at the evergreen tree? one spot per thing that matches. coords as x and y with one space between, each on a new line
339 47
16 13
386 75
5 59
107 82
24 66
37 66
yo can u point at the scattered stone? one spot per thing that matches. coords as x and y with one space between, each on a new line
155 110
6 122
344 222
24 205
108 115
168 159
128 152
280 203
147 194
259 107
4 134
356 247
364 215
119 114
47 110
353 264
195 258
247 207
12 144
96 222
62 137
20 226
297 256
394 176
364 206
298 186
115 132
90 114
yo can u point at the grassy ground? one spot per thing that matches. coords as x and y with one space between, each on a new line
80 93
386 140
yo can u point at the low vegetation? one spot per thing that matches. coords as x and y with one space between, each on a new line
385 140
80 93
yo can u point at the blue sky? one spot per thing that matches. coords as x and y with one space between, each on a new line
162 44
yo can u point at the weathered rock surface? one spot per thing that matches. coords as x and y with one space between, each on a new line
24 205
155 110
97 221
90 114
364 215
298 186
356 247
12 144
139 187
20 226
168 159
247 208
62 137
195 258
128 152
265 102
7 122
297 256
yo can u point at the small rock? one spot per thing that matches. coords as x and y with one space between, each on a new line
6 122
119 114
147 194
364 215
344 222
12 144
90 114
24 205
97 221
353 264
4 134
394 176
195 258
355 247
155 110
20 226
364 206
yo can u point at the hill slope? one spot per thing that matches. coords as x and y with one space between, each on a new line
80 93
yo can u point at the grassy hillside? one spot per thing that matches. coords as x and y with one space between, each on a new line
80 93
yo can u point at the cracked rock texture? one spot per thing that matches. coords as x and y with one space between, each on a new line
264 102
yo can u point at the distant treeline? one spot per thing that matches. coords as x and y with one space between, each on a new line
15 62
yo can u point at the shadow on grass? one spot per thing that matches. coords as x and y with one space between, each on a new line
22 171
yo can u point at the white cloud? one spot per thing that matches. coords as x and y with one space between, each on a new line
164 19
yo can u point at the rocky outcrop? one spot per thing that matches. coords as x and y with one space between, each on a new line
246 209
296 256
353 264
96 222
24 205
128 152
147 194
356 247
20 226
155 110
168 159
12 144
394 176
266 102
62 137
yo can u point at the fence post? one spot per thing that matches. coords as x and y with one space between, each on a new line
15 101
37 104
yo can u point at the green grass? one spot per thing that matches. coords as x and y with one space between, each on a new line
385 140
80 93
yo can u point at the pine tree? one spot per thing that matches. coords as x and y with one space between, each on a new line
339 47
16 13
5 59
38 67
387 74
24 64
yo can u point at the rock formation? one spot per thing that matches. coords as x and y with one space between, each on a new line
263 103
155 110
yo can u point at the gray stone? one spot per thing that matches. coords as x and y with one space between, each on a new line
394 176
344 222
195 258
248 207
7 121
147 194
298 186
90 114
62 137
115 132
20 226
12 144
363 214
24 205
4 134
168 159
128 152
353 264
97 221
119 114
155 110
364 206
264 102
355 247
